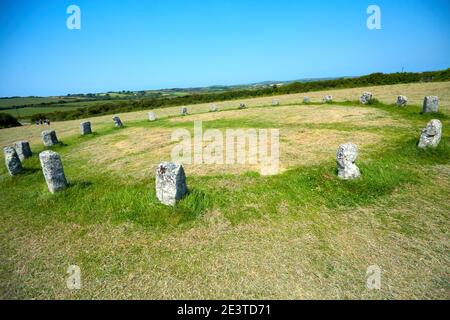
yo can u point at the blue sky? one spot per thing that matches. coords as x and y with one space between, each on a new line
136 45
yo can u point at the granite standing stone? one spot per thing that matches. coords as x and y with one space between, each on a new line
431 135
170 183
184 111
430 104
85 128
345 159
49 138
12 161
152 116
213 108
366 97
53 170
23 149
117 122
328 98
402 101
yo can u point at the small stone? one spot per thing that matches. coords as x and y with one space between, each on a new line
85 128
12 161
328 98
306 100
117 122
184 111
170 183
366 97
49 138
152 116
53 170
431 135
275 102
213 108
242 106
430 104
402 101
345 159
23 149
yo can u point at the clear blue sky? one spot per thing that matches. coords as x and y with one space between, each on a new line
151 44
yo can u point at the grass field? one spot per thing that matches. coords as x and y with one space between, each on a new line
237 235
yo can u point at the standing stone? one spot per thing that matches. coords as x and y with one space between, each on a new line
152 116
117 122
213 108
306 100
49 138
170 183
23 149
328 98
431 135
53 170
12 161
184 111
275 102
242 106
366 97
345 159
85 128
402 101
430 104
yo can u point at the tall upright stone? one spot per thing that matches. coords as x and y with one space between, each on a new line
117 122
49 138
85 128
184 111
328 99
151 116
345 159
213 108
402 101
430 104
23 149
53 170
366 98
431 135
170 183
12 161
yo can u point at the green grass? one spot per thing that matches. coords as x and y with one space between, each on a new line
235 236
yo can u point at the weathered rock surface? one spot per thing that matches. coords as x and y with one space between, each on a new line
366 97
23 149
184 111
85 128
117 122
430 104
275 102
53 170
213 108
402 101
49 138
431 135
170 183
306 100
328 98
12 161
345 159
151 116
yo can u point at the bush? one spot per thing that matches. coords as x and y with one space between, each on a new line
8 121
